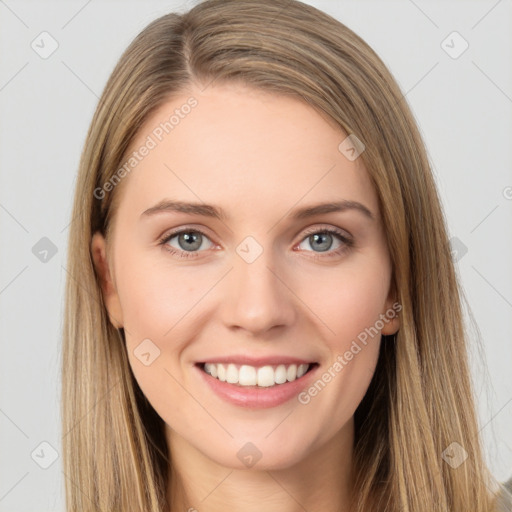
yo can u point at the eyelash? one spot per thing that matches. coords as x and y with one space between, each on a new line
348 242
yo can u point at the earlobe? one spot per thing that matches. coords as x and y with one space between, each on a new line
108 288
392 326
392 313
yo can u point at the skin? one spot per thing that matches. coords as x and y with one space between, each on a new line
258 156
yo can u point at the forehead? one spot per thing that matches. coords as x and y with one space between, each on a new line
243 149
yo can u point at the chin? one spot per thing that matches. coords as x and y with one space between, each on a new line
259 454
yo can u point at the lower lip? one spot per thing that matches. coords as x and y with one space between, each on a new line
257 397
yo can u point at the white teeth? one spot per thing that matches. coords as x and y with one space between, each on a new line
221 372
247 376
301 370
265 376
280 375
211 369
291 372
232 374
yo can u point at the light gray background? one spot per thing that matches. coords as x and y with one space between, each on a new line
463 106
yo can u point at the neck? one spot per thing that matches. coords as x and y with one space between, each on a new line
319 482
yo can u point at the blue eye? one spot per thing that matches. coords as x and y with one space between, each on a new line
191 241
323 240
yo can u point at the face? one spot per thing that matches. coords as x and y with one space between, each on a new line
255 285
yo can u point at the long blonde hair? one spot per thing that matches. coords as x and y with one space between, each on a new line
420 401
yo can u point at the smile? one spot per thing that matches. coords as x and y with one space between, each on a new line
263 376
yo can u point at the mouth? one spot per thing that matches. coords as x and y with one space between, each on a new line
256 382
256 377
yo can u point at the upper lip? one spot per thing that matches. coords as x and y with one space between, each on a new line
257 361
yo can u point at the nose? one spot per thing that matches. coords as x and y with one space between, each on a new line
257 297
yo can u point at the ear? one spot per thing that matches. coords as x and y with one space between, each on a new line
392 313
108 288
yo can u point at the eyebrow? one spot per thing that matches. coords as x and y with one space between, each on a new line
207 210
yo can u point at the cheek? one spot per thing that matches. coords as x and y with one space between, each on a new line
154 298
349 299
163 303
348 303
157 304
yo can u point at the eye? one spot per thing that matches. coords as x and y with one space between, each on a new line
322 240
187 243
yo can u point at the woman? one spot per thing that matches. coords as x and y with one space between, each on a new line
213 357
